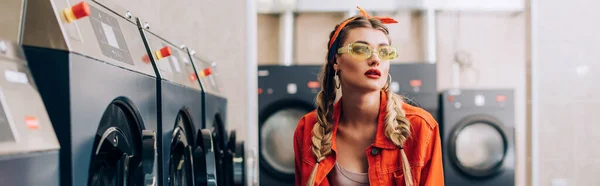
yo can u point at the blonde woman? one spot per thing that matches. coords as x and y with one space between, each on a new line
370 136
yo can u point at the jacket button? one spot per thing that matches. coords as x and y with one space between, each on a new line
374 151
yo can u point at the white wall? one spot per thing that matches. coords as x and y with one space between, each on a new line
566 75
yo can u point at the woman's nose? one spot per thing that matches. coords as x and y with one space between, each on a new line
374 59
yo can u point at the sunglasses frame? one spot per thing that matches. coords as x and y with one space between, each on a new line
347 49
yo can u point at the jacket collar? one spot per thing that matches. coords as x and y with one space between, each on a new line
381 140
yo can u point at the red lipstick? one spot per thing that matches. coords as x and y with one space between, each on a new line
373 73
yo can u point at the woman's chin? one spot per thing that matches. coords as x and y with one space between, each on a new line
367 87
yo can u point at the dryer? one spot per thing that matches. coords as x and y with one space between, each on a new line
29 149
215 111
285 94
100 95
235 166
180 114
417 82
478 135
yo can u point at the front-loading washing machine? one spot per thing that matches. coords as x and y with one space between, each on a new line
417 83
180 107
29 149
285 94
215 110
478 137
100 95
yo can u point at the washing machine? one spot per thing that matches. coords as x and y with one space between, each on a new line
100 96
478 137
215 112
180 118
285 94
29 149
417 83
235 166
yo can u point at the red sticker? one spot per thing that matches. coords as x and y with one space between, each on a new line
500 98
193 77
416 83
32 122
313 84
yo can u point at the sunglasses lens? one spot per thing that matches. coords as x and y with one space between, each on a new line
360 50
387 52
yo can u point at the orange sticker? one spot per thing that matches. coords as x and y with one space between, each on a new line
416 83
313 84
32 122
500 98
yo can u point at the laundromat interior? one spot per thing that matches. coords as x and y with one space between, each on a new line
207 92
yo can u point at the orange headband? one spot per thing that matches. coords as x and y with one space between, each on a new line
384 20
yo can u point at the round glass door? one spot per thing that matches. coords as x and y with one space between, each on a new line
115 148
478 147
276 139
180 160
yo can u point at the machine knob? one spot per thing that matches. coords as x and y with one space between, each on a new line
206 72
163 52
80 10
193 77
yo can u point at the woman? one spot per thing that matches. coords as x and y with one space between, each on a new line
369 137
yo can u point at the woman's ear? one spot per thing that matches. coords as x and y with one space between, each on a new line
336 66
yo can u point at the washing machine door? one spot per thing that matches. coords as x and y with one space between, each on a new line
123 154
205 160
235 162
276 136
181 156
219 136
478 146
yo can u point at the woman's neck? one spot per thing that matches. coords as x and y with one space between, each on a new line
360 108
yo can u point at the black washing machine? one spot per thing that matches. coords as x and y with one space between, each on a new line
215 113
100 95
417 82
285 94
180 107
478 137
235 166
29 149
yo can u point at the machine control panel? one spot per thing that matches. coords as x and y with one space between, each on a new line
207 74
24 123
110 36
173 62
86 28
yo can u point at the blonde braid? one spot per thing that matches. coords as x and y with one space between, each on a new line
322 130
397 129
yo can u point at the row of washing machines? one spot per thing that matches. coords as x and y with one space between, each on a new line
92 96
476 125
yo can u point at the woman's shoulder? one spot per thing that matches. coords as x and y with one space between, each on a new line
419 117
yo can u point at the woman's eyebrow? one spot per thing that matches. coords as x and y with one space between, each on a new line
367 43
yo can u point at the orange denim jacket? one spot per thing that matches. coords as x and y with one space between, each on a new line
423 149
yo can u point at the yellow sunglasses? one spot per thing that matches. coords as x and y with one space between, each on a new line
364 51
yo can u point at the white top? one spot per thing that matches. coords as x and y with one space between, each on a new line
341 176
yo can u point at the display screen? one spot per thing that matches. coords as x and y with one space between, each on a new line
110 36
6 133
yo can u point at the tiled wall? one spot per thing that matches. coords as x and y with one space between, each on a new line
566 79
496 42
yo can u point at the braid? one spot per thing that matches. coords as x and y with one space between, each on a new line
323 129
397 129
